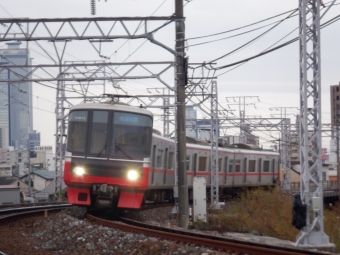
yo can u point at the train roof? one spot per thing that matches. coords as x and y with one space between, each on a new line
112 106
201 144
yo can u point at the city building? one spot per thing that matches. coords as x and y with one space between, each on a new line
191 121
16 118
43 158
34 139
335 105
4 139
40 179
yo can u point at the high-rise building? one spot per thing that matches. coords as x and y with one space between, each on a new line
335 105
16 117
34 139
191 121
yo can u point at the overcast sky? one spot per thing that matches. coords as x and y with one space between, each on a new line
274 77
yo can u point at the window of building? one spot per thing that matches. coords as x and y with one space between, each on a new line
202 164
251 166
337 98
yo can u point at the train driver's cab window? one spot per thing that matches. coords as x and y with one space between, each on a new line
237 165
99 135
159 158
131 136
266 166
77 131
187 163
171 161
202 164
251 166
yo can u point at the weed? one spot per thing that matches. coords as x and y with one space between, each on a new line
269 213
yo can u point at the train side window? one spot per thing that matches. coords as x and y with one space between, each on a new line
244 168
159 158
231 164
225 166
237 166
171 161
251 166
99 138
273 166
220 164
202 164
266 166
194 162
187 163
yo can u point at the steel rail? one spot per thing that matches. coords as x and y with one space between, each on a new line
14 212
214 242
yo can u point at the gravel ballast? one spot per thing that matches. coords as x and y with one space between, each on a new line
67 232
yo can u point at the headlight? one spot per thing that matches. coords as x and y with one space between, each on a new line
132 175
79 170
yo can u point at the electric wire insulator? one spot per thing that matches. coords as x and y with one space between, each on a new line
93 7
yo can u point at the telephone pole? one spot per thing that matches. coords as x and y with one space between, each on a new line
180 90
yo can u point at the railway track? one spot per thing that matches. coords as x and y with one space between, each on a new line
213 242
12 212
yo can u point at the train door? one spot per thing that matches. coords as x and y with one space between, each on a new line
273 171
245 161
225 170
165 166
194 163
153 164
220 170
259 169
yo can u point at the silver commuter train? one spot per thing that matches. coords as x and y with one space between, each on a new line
113 154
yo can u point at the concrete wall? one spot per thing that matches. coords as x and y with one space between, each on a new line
9 195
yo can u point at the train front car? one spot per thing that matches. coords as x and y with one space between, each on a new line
108 154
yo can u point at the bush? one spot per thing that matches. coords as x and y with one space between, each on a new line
269 213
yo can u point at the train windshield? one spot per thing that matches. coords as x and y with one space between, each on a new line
131 136
77 131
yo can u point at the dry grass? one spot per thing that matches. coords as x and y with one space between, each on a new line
269 213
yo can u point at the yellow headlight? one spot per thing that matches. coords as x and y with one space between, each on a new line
79 170
132 175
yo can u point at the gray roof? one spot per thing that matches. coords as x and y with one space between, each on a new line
50 188
48 175
6 180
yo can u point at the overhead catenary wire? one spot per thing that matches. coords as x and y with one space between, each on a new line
329 22
239 28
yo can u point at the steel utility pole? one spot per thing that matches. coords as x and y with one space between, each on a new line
310 114
242 111
181 139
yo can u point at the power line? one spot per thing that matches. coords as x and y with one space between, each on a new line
329 22
235 29
253 40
